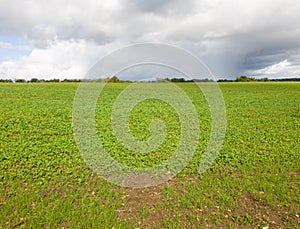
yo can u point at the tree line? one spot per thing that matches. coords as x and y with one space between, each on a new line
115 79
252 79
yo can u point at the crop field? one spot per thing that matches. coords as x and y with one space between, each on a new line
253 183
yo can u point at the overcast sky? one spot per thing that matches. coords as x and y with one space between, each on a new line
64 38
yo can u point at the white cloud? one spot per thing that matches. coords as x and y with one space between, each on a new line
231 36
281 69
61 59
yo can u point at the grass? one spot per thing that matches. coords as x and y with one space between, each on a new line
254 182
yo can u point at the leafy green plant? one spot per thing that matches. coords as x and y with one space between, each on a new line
255 180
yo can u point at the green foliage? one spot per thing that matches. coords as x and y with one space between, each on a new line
34 80
254 182
244 79
5 81
177 80
113 79
70 80
53 80
20 81
248 79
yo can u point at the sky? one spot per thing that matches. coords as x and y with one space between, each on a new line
64 38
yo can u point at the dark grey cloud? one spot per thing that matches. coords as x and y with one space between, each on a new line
232 37
164 8
150 6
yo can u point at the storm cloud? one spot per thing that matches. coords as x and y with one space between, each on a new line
259 38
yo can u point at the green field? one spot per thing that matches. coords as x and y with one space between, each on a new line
254 182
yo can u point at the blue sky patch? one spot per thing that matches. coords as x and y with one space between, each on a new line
13 47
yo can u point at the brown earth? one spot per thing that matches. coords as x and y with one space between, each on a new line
144 208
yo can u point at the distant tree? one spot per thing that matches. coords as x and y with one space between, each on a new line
203 80
70 80
53 80
174 80
6 81
113 79
244 79
20 81
285 79
224 80
34 80
264 80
